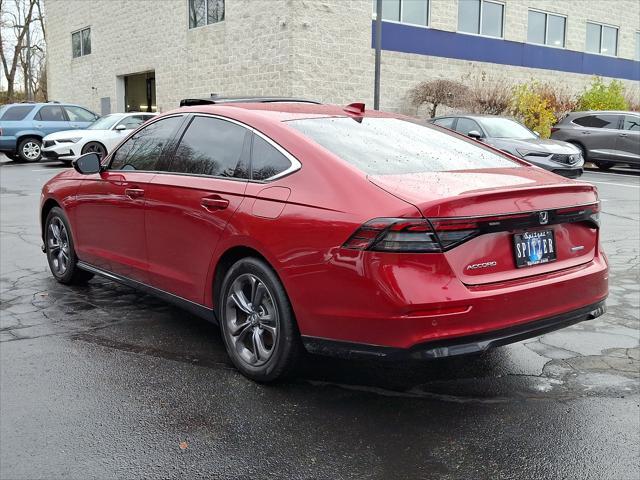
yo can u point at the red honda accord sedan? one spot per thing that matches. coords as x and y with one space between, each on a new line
341 231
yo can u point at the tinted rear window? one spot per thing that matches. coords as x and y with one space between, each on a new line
598 121
387 146
13 114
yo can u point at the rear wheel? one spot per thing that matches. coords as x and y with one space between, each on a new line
95 147
60 251
29 149
604 165
257 321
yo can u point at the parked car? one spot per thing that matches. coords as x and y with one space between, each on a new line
347 232
514 138
100 137
24 125
605 138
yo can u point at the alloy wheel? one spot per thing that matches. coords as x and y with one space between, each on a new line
251 319
31 150
58 247
94 147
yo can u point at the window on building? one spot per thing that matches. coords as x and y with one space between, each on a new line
602 39
482 17
546 28
415 12
81 42
205 12
211 146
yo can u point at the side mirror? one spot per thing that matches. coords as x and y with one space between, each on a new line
87 164
120 127
475 134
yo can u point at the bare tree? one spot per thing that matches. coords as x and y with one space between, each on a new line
437 92
486 95
16 20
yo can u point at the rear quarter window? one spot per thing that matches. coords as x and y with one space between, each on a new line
387 146
597 121
16 113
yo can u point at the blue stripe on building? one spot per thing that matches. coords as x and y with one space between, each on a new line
398 37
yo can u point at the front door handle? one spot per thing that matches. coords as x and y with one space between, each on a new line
134 192
622 134
214 203
585 133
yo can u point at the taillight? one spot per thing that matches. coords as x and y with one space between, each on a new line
589 213
442 234
452 232
554 129
415 235
395 235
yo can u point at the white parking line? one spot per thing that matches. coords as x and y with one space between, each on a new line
614 184
627 175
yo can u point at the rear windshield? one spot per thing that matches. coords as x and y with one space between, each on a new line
13 114
388 146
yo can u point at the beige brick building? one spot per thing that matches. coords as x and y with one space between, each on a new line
112 55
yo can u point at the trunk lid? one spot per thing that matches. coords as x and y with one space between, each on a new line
499 204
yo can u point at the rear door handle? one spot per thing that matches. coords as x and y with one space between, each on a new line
622 134
214 203
134 192
585 133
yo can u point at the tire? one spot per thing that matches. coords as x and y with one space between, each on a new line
96 147
60 251
583 150
604 165
30 149
263 342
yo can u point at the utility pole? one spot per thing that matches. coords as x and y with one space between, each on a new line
378 44
28 72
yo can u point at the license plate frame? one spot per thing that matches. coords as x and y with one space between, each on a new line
536 247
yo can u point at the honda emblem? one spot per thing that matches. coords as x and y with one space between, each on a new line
544 218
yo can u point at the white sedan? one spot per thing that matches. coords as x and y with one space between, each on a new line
100 137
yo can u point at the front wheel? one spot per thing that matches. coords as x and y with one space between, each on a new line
59 248
257 322
95 147
604 165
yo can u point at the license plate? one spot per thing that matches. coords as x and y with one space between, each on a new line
534 248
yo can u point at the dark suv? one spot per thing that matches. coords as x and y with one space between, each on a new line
606 138
24 125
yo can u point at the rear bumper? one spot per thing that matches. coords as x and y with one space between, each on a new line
8 144
455 346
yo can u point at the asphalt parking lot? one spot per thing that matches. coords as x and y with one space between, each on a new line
104 382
